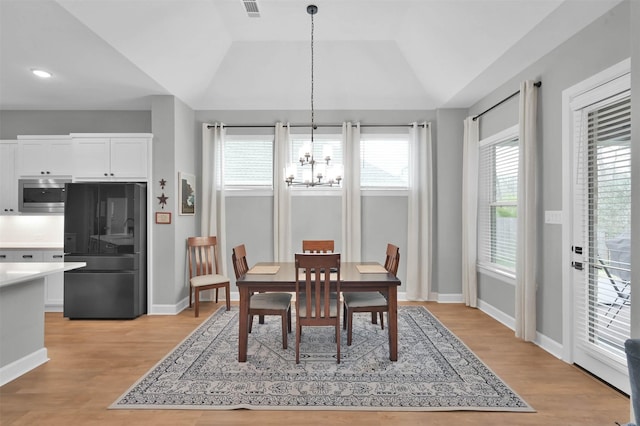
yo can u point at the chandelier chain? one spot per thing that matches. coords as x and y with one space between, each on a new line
312 82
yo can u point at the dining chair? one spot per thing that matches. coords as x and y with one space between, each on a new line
314 305
203 270
370 301
317 246
262 304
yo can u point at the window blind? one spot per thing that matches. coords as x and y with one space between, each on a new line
384 161
603 183
498 203
248 161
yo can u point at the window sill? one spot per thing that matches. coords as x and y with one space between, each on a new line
507 277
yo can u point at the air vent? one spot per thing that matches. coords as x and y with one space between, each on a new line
251 6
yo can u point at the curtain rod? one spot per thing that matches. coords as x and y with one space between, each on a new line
537 84
252 126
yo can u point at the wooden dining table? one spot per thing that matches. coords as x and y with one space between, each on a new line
281 277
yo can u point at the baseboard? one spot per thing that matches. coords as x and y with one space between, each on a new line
25 364
546 343
53 308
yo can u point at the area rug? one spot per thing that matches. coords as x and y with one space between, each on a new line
435 371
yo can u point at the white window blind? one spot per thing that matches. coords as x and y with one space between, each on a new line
603 189
498 201
384 161
248 161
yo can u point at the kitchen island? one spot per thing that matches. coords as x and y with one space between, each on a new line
22 315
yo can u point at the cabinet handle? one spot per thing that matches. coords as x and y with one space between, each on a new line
3 256
111 174
106 174
27 256
57 256
41 172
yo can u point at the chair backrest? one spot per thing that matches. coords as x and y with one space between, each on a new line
315 290
239 259
317 246
393 259
202 256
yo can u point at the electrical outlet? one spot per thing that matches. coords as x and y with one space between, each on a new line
553 217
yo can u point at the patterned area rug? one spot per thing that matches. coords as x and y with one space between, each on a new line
435 371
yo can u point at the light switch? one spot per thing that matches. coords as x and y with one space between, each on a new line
553 217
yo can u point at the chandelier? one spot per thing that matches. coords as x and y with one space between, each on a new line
314 173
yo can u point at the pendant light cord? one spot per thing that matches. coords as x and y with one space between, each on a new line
312 109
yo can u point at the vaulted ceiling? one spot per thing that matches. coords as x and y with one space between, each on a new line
374 54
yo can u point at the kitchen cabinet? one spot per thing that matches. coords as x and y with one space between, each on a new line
44 156
54 283
8 178
112 157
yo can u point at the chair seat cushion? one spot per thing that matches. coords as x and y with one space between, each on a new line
210 279
364 299
275 301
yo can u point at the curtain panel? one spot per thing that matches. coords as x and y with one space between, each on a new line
526 258
282 251
420 213
351 201
470 213
212 216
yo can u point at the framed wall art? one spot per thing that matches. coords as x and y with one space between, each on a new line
163 218
187 193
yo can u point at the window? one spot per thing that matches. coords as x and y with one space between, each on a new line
384 161
323 146
248 161
498 201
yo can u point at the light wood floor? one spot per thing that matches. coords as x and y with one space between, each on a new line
93 362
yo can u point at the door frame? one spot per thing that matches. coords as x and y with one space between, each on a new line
568 161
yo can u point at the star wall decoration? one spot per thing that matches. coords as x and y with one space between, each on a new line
163 200
162 183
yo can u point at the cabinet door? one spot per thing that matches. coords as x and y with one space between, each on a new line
8 178
45 157
129 158
91 158
54 284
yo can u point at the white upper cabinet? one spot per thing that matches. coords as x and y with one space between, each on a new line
111 156
8 177
44 156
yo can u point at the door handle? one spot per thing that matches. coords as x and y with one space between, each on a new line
577 265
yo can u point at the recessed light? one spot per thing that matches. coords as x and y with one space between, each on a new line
41 73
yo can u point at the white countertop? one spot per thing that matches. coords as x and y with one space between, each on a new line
14 273
30 245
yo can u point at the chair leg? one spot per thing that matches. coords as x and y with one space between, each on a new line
349 319
289 319
344 316
197 301
191 289
374 318
338 339
298 332
284 330
381 320
217 294
250 326
227 294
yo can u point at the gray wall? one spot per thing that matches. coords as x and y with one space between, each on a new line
14 123
603 43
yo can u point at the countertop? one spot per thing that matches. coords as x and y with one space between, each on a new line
18 272
4 245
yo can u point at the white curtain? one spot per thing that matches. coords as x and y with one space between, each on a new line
281 195
527 200
212 216
470 212
351 208
419 248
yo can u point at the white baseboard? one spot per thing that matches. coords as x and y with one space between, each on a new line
25 364
546 343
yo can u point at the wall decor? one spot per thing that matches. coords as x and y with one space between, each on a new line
187 193
162 200
163 218
162 183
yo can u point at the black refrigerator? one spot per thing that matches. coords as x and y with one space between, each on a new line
105 226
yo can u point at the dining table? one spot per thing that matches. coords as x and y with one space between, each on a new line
281 277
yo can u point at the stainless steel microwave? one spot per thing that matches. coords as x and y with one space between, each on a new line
42 195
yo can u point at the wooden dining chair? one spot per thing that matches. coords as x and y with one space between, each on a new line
203 270
317 246
370 301
262 304
314 304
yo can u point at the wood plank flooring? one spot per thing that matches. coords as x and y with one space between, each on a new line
93 362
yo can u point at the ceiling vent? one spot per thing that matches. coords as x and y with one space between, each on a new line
251 6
